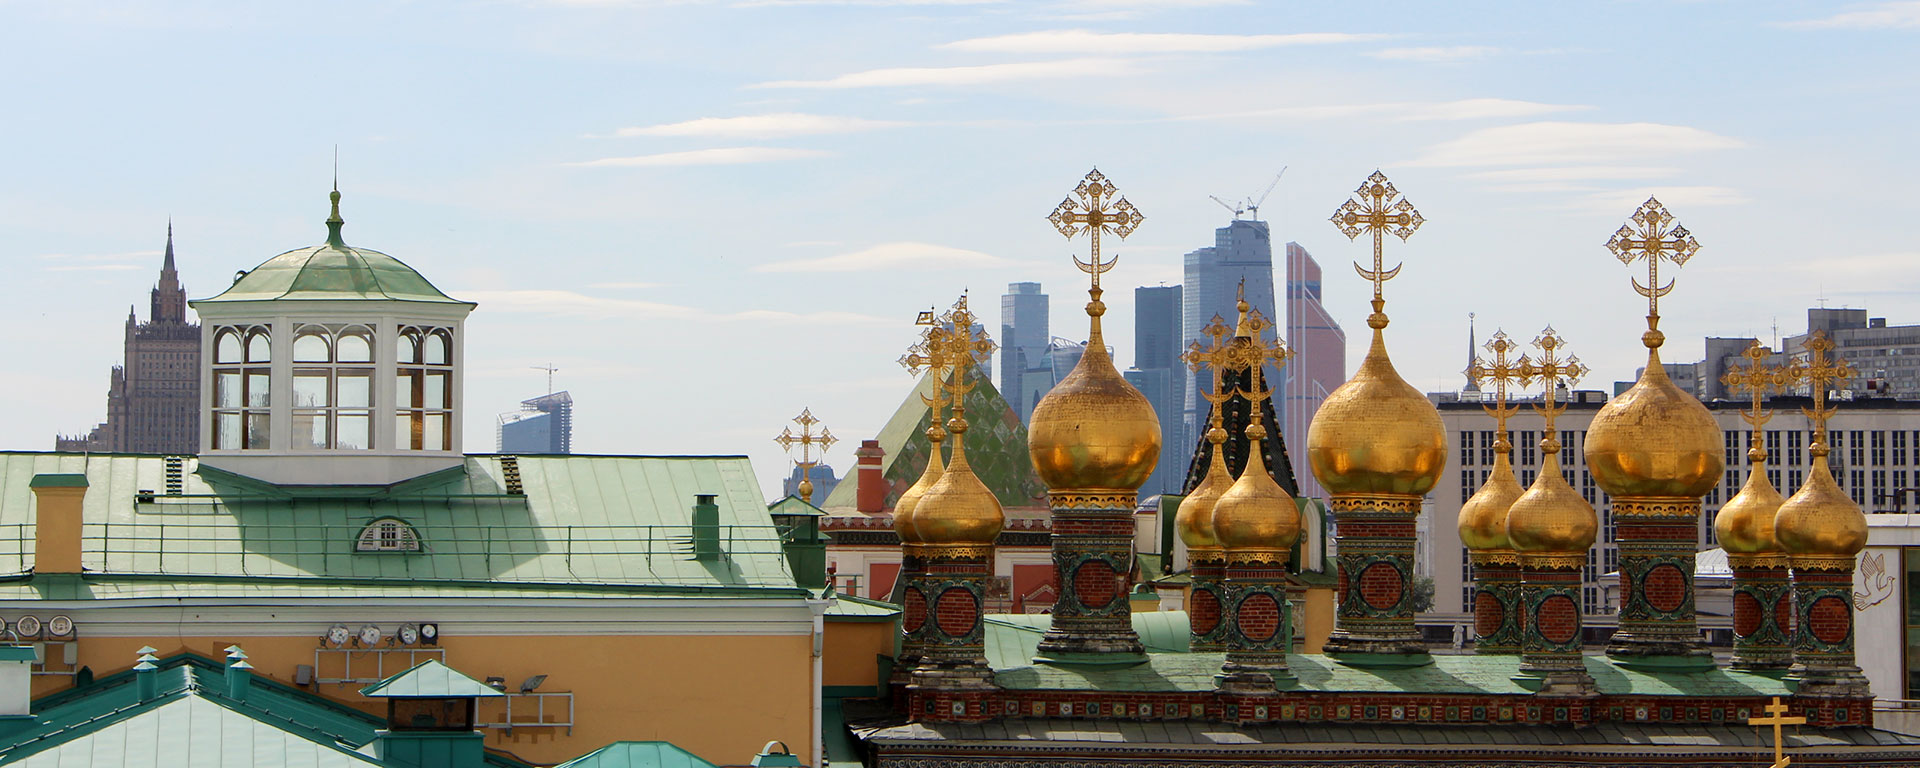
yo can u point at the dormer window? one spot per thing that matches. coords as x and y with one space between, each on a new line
423 389
332 387
242 360
388 534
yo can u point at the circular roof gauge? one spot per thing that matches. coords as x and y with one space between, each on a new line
430 631
60 626
338 635
27 626
408 634
368 635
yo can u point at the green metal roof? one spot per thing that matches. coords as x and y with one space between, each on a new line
851 608
638 754
16 653
589 525
58 481
795 506
192 723
996 448
332 271
430 679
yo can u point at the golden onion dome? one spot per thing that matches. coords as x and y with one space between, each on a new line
1745 523
1194 521
1376 433
1551 516
1094 430
1483 519
903 510
1654 439
1255 514
1819 519
958 509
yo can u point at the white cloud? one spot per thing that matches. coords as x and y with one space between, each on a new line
1572 173
1436 54
870 3
885 256
721 156
1904 15
761 126
1123 43
573 304
1626 200
1559 143
1463 109
95 268
94 257
970 75
627 286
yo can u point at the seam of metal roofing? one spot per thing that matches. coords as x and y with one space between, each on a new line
638 754
430 679
330 272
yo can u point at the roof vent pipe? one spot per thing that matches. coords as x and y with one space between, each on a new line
706 527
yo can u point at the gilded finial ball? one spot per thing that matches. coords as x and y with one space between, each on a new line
1094 430
1256 432
1377 321
957 426
1653 339
1376 433
1654 440
1096 308
1216 436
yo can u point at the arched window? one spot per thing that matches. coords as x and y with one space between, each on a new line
387 534
423 389
241 395
332 387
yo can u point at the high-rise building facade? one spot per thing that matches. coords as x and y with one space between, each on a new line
153 396
1241 254
1160 375
1023 347
542 425
1319 363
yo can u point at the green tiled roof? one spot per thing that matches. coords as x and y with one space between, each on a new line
193 723
996 447
638 754
430 679
585 524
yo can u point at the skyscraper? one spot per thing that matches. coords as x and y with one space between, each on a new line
1242 250
543 425
1319 363
153 396
1023 346
1158 373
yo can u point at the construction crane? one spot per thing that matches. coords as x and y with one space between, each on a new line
550 371
1250 206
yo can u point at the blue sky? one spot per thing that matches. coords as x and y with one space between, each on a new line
710 215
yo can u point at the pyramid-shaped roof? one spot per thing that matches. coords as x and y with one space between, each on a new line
996 447
430 680
1234 419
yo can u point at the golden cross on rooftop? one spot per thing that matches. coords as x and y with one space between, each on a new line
925 354
1756 379
1818 372
1374 210
1096 211
1551 370
1500 373
1214 356
1777 717
1653 240
806 440
1250 350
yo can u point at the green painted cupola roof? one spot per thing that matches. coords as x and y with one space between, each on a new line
430 679
332 271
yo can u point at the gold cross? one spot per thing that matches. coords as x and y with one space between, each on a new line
951 348
1756 379
1214 356
1654 240
1249 350
806 440
1097 211
1500 372
1551 371
1372 209
1818 372
1777 717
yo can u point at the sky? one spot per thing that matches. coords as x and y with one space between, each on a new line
710 215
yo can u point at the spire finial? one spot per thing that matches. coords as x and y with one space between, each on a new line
334 222
167 264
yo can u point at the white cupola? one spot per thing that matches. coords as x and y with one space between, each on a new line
331 365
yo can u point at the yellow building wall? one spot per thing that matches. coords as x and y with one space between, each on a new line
721 697
852 648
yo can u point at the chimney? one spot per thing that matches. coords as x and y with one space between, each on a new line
239 673
872 485
56 538
146 674
706 527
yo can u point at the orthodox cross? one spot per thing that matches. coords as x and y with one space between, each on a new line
924 354
1253 352
1756 379
1374 210
951 347
806 440
1551 370
1776 717
1500 372
1818 372
1654 235
1095 212
1214 356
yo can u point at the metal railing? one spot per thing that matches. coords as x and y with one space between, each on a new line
534 709
381 667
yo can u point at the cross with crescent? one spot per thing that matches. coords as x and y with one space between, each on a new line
806 440
1098 210
1653 234
1376 208
1551 370
1818 372
1500 372
1757 378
